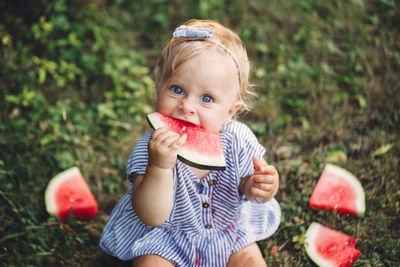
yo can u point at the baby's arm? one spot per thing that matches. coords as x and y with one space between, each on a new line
263 184
152 195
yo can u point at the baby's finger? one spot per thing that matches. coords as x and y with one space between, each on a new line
260 195
179 142
264 187
159 132
268 169
168 138
259 163
267 179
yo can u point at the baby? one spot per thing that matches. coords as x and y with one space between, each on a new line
175 214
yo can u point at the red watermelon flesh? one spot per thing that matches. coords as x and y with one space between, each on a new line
203 149
330 248
337 189
68 192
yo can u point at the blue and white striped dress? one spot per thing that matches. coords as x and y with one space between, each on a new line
209 220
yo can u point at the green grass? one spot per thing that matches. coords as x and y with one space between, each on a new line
76 82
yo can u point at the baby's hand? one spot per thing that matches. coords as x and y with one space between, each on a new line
263 184
163 148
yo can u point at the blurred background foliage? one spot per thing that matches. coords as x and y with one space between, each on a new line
76 80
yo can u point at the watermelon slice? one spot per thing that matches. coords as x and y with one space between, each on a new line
330 248
337 189
67 192
203 149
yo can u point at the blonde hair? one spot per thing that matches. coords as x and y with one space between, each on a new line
179 50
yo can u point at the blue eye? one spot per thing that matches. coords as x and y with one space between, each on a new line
177 90
206 99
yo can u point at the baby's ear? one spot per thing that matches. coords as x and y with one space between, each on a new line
235 107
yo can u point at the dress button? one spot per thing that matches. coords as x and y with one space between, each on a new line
208 226
211 182
206 205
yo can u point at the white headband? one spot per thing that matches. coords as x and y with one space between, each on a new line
201 34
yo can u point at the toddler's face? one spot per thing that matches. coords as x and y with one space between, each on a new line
203 90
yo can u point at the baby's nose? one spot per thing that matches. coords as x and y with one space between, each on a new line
187 107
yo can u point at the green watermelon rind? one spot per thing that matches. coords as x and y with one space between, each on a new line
327 247
55 182
355 184
311 235
187 156
206 164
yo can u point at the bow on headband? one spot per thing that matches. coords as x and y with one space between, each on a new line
184 31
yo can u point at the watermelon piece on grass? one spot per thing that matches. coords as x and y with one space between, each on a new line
203 149
68 192
330 248
338 190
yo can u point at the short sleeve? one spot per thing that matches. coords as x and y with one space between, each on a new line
246 146
138 159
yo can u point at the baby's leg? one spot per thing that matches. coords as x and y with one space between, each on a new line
151 261
247 256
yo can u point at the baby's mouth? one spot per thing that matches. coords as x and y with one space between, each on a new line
188 121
